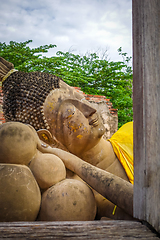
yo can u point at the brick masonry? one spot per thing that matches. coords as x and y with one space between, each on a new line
98 99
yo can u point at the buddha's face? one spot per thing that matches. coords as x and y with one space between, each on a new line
72 120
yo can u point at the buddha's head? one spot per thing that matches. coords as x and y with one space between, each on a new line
72 120
45 102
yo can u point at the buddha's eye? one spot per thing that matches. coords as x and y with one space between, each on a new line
69 112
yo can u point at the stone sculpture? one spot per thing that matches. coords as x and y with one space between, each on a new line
20 196
68 200
25 171
70 123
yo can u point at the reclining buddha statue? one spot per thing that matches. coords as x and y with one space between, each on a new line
70 128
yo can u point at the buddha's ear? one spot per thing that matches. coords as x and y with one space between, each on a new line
46 137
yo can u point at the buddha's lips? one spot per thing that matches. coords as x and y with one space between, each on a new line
94 121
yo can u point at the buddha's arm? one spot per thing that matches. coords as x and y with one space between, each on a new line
114 188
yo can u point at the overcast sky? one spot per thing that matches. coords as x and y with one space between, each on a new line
78 26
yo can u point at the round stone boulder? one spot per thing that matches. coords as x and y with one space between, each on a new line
68 200
18 143
47 169
20 196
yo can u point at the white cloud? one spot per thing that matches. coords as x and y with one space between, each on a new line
82 25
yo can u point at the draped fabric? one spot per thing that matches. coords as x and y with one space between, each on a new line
122 143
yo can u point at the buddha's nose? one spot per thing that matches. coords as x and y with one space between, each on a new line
86 110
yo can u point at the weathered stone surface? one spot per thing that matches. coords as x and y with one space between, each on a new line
20 196
18 144
48 169
68 200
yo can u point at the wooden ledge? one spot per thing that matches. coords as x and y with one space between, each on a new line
77 230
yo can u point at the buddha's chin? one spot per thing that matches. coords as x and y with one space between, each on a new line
95 137
101 130
98 131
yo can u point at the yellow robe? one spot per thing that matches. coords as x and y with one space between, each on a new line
122 143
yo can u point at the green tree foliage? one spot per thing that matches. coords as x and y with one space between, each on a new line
92 74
